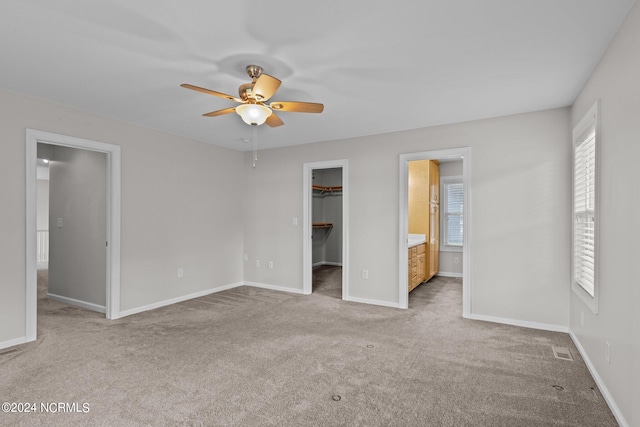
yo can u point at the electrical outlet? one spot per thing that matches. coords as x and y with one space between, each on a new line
365 274
180 272
295 220
246 257
607 351
271 265
257 263
456 260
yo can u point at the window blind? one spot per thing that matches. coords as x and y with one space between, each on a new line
454 197
584 198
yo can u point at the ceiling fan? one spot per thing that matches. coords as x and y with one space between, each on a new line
253 97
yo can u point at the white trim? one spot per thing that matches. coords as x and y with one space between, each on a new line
448 274
603 388
274 287
176 300
521 323
455 153
591 118
31 236
78 303
321 263
33 137
307 200
373 302
13 342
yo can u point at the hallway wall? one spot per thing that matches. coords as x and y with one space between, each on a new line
78 198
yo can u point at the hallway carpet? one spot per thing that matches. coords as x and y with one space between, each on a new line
254 357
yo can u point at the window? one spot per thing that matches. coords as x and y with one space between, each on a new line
585 208
452 219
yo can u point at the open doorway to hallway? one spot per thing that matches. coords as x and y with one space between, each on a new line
72 227
109 236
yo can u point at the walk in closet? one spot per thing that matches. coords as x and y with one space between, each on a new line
327 223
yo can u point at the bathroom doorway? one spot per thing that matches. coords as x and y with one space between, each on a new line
443 156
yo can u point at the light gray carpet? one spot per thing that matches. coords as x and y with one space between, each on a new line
252 357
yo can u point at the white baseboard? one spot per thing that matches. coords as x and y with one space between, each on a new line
175 300
11 343
321 263
447 274
373 302
603 388
78 303
274 287
522 323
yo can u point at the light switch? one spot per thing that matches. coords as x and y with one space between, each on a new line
59 223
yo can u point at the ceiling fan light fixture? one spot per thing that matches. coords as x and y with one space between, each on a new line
253 114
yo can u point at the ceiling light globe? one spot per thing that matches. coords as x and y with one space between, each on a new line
253 114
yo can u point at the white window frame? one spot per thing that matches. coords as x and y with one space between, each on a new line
443 213
589 123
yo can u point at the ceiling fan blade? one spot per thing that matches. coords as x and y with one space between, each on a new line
274 121
297 107
265 87
210 92
220 112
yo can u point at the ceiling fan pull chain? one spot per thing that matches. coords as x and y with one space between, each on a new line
255 145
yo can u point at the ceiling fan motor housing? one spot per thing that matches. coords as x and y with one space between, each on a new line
245 91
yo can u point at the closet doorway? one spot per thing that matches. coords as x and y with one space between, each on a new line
325 229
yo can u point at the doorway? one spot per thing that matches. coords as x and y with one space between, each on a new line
76 227
326 231
463 154
325 228
111 153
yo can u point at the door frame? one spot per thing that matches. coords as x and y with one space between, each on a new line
307 230
464 154
33 137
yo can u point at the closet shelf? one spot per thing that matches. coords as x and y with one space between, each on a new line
322 225
325 189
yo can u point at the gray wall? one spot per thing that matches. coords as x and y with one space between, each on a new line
78 196
615 83
327 243
181 207
43 204
448 266
520 244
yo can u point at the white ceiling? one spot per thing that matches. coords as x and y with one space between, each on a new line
378 66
